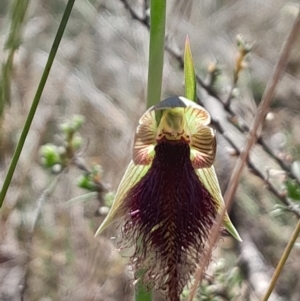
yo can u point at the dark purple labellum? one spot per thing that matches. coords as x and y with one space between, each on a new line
171 215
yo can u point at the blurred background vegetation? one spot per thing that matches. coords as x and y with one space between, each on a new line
47 245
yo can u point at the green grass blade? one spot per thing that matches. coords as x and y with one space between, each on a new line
284 257
36 100
18 13
189 73
156 51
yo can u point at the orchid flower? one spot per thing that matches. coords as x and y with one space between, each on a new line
169 196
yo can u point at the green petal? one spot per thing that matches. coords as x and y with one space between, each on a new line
189 73
172 125
132 175
144 141
192 110
209 179
202 138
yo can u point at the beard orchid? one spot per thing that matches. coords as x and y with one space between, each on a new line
169 196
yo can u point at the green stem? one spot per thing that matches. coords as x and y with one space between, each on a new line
156 51
282 261
155 72
36 100
141 292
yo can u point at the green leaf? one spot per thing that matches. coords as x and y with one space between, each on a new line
189 73
293 190
81 198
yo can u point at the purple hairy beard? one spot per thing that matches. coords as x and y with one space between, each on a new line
170 213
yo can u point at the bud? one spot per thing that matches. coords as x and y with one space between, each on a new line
50 155
73 125
77 121
86 182
76 142
109 198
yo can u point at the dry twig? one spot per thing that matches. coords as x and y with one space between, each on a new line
39 205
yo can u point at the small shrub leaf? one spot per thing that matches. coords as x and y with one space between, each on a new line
293 190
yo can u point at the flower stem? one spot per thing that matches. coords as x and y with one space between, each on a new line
155 72
156 51
282 261
36 100
141 292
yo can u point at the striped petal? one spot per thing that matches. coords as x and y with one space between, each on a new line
132 175
203 147
144 141
195 114
209 179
